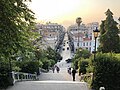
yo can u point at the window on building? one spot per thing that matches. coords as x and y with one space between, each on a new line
87 44
90 44
83 44
90 48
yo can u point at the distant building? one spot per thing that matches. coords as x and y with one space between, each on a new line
50 34
83 36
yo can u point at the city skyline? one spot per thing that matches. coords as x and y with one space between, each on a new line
65 12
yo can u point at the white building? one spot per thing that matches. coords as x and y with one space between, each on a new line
83 36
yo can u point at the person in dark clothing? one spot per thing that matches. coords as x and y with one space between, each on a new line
57 69
69 70
73 74
53 69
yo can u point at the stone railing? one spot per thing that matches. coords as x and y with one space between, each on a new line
20 76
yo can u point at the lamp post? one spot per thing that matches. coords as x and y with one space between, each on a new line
96 32
78 21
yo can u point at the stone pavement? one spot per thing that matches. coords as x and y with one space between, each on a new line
61 76
51 81
49 85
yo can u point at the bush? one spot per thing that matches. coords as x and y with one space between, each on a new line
29 67
46 64
82 64
81 53
5 80
106 71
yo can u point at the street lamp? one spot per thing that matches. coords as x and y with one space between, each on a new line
78 21
96 32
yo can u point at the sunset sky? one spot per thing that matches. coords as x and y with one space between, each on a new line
65 12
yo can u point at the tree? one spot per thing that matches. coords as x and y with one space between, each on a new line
109 39
119 24
16 24
52 54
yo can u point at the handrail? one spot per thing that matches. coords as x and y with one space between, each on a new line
20 76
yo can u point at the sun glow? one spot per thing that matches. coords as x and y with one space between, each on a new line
66 11
55 9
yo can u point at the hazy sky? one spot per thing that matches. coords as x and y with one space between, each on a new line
65 12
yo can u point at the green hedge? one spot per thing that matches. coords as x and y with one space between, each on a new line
107 71
83 64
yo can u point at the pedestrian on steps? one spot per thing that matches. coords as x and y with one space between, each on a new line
57 69
53 69
73 73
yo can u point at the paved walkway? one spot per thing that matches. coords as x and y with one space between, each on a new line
49 85
51 81
61 76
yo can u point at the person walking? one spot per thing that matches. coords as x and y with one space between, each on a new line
53 69
69 70
57 69
73 73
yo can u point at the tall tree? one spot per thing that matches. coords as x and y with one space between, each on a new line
16 22
109 39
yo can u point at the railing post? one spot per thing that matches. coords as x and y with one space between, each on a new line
19 76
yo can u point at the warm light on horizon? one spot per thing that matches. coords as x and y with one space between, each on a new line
66 11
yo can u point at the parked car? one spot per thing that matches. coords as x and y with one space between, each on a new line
67 48
68 60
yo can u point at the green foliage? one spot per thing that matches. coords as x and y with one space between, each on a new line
52 54
52 62
75 63
4 81
107 71
109 39
4 69
46 63
83 64
84 53
16 24
81 53
29 66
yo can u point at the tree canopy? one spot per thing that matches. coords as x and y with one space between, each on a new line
16 23
16 35
109 39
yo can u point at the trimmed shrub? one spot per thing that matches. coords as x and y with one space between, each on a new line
82 64
106 72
